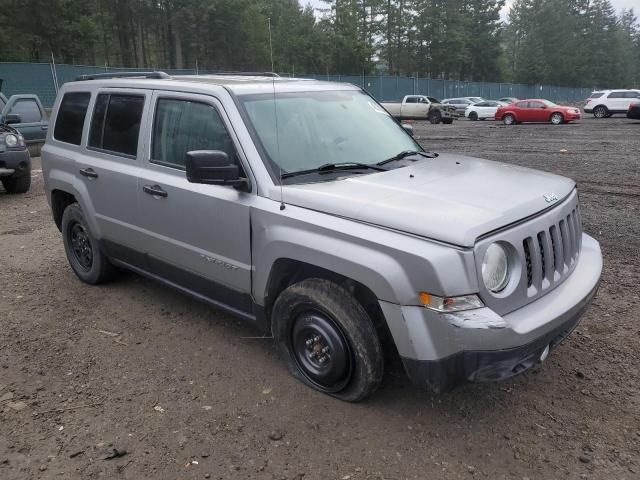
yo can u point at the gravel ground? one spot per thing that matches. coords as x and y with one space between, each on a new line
188 393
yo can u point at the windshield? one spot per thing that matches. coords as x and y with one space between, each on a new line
317 128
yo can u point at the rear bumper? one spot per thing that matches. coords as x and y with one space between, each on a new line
588 110
14 162
634 113
480 345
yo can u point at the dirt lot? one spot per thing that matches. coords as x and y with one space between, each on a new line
181 383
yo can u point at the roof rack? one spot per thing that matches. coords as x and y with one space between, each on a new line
246 74
99 76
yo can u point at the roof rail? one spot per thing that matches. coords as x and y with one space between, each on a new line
99 76
246 74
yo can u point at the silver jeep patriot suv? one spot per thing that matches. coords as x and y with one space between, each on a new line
305 208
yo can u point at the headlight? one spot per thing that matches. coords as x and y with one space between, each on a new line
11 140
495 268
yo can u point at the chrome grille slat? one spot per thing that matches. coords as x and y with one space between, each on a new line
552 252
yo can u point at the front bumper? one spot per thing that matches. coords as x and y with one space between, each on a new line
14 162
445 350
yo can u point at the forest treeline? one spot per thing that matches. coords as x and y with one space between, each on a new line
561 42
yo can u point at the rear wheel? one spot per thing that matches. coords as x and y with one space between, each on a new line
508 119
327 339
473 116
18 184
601 112
557 118
82 249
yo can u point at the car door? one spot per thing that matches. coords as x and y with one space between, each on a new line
33 122
197 236
109 165
617 101
537 112
482 110
410 107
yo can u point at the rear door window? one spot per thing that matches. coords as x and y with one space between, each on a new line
28 110
522 104
115 126
617 95
71 115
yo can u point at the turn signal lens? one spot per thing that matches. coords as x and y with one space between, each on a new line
450 304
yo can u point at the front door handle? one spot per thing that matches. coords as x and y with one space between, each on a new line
88 172
155 190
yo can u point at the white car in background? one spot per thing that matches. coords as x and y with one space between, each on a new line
483 110
604 103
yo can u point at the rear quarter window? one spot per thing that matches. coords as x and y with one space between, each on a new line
71 115
596 94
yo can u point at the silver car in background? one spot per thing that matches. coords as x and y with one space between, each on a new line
304 208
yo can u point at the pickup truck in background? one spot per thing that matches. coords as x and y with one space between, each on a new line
421 107
26 114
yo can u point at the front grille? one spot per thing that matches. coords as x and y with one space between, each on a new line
552 252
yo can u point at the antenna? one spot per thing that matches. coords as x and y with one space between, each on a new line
275 116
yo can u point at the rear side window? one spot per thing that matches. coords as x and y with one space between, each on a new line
71 115
596 94
181 126
617 95
28 110
115 126
522 104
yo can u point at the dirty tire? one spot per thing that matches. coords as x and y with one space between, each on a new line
18 184
435 117
314 298
508 119
557 118
82 249
447 121
601 112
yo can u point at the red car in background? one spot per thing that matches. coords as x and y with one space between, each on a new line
634 111
536 110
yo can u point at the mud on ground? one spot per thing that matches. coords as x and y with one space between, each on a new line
188 393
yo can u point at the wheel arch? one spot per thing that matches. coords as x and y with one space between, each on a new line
288 271
60 200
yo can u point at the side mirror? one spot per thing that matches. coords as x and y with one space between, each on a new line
408 128
212 167
12 119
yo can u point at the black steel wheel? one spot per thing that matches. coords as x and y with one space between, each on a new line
327 339
321 351
80 245
82 249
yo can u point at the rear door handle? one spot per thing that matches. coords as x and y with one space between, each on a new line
155 190
88 172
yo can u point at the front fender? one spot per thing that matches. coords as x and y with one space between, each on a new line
393 265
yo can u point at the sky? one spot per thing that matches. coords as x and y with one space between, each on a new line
617 4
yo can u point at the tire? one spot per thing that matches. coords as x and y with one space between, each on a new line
557 118
447 121
435 117
601 112
18 184
509 119
82 249
328 340
473 116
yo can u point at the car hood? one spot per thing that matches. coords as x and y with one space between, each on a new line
452 198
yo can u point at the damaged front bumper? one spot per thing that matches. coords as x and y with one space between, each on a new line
443 350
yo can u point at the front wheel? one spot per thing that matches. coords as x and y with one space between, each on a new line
82 249
435 117
327 339
557 118
18 184
508 119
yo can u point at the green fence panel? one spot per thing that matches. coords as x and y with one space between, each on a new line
39 78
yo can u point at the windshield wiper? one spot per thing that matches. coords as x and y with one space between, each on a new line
331 167
407 153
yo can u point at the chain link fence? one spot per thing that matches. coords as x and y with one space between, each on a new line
44 79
